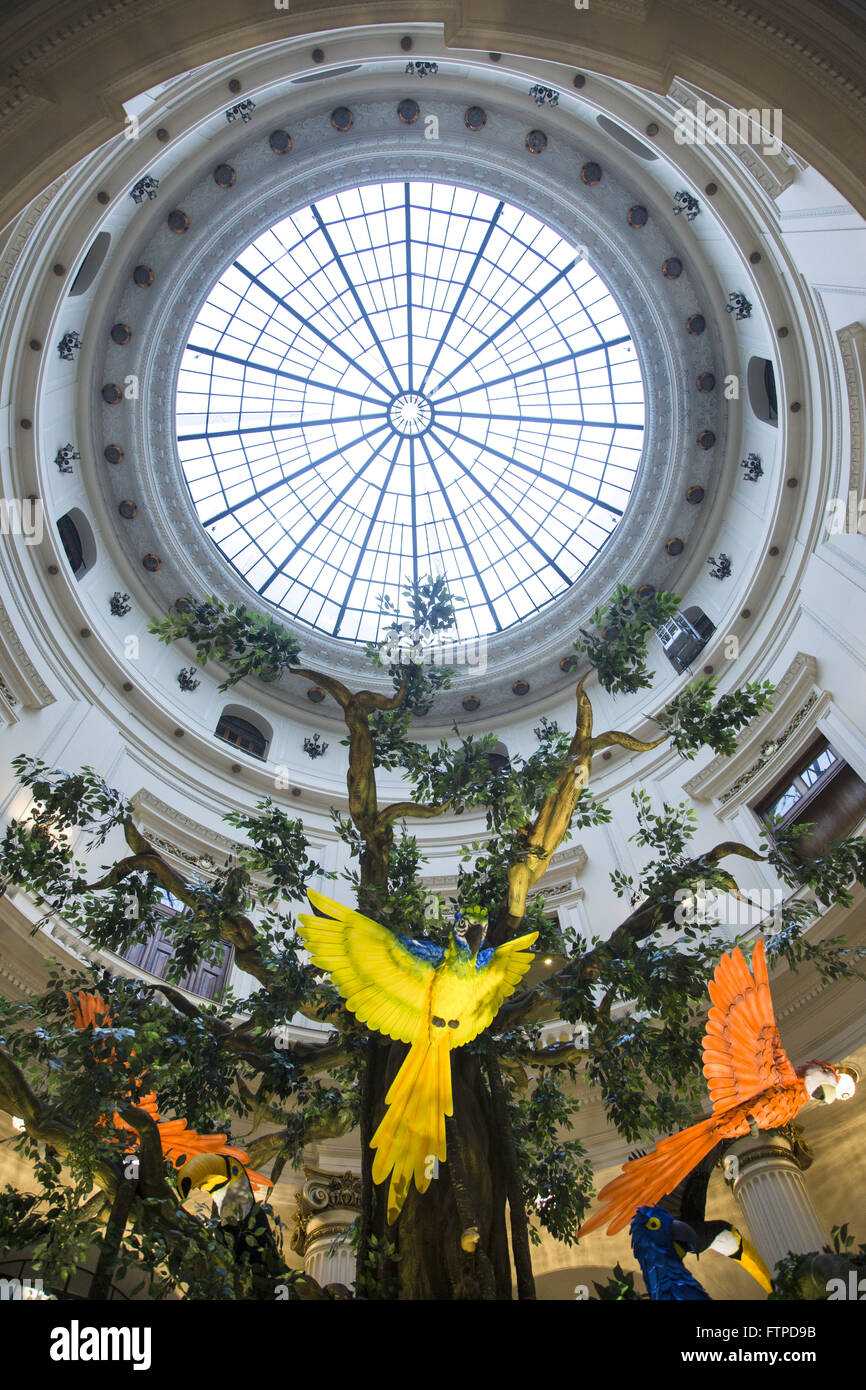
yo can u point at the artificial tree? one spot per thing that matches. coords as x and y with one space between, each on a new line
634 992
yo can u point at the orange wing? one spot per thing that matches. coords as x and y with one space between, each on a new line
743 1058
743 1053
89 1009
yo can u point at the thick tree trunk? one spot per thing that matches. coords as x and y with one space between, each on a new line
431 1263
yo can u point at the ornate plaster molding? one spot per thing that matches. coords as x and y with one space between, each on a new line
771 32
852 345
773 172
794 698
324 1193
19 668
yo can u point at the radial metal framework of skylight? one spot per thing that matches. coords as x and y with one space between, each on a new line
407 379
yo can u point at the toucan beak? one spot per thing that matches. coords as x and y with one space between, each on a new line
752 1262
684 1235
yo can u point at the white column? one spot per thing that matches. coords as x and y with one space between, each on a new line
769 1186
328 1257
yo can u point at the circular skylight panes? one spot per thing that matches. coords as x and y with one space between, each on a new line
409 379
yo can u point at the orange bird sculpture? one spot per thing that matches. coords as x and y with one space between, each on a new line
178 1143
752 1085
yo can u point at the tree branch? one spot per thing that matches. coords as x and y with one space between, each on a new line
17 1098
235 928
340 692
548 829
399 810
614 737
641 923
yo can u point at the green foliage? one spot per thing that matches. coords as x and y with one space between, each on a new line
791 1281
377 1276
248 644
555 1172
20 1224
277 848
693 720
620 1286
830 875
617 647
408 645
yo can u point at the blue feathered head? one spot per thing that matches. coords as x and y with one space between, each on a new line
659 1242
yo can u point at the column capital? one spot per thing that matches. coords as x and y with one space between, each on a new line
326 1205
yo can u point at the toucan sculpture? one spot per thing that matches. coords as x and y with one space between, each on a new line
414 991
752 1085
687 1204
678 1226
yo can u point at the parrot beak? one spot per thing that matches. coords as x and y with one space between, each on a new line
684 1237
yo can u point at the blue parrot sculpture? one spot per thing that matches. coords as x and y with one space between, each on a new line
659 1242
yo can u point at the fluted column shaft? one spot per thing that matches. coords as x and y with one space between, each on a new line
770 1188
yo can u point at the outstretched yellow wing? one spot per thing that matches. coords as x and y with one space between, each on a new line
383 984
471 998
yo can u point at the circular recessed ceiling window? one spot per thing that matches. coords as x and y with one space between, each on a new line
408 379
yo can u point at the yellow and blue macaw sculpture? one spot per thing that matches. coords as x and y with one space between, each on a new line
435 998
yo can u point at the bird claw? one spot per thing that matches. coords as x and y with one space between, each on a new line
753 1127
469 1239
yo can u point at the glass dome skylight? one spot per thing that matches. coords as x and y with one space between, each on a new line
407 379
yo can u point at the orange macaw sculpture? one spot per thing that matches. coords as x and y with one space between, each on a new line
178 1143
752 1085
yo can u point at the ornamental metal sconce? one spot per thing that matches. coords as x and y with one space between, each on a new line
64 458
145 188
119 604
719 568
471 703
408 111
752 468
315 747
422 69
536 141
544 96
68 346
738 305
186 678
591 173
280 141
684 202
243 110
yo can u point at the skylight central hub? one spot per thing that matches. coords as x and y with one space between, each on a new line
410 413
